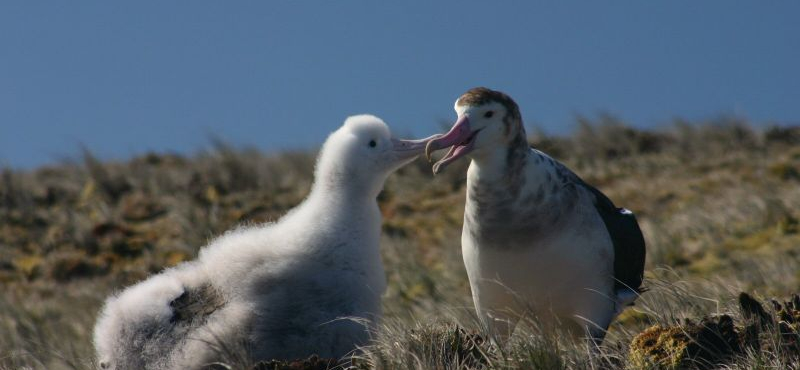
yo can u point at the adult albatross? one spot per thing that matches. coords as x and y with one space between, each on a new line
537 240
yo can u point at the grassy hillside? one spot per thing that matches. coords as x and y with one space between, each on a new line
718 202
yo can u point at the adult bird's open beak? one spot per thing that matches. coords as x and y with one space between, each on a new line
460 139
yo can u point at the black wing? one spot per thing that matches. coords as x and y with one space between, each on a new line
629 248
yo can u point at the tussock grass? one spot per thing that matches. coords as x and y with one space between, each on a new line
717 201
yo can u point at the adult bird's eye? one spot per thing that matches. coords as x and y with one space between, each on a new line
372 143
489 114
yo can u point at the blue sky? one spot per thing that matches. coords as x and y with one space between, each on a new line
123 79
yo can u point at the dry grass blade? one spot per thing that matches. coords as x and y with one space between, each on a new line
718 203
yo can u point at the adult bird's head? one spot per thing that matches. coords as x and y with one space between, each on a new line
486 119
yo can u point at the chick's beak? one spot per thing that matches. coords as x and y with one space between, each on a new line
409 148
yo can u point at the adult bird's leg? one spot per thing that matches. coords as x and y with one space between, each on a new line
500 327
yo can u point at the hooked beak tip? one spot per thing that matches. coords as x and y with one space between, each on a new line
429 150
438 167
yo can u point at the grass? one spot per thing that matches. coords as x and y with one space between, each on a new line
717 201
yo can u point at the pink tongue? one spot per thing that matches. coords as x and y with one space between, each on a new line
460 150
454 153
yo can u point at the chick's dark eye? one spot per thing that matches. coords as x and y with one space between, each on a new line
372 143
489 114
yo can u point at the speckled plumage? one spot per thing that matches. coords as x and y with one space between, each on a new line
537 240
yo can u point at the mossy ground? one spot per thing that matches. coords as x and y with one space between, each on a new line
718 202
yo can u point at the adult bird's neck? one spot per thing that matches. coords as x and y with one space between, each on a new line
501 166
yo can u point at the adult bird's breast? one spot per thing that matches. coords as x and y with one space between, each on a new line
496 218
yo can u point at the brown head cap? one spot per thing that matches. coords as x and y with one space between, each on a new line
481 95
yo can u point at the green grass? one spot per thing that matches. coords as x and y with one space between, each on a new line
718 203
